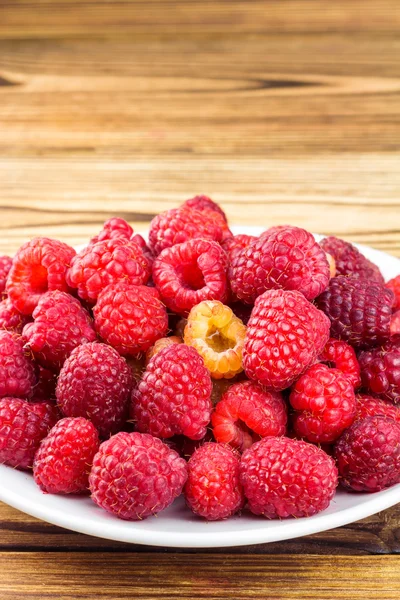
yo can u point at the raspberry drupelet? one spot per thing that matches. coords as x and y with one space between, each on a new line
349 260
218 336
189 273
343 357
39 266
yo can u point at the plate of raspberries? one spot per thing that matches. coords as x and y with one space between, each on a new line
201 385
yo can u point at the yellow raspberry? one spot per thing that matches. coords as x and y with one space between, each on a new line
160 344
218 336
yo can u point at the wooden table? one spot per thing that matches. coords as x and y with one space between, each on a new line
282 111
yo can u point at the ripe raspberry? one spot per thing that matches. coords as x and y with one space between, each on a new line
380 371
287 478
190 273
130 317
110 261
213 489
247 413
160 344
288 259
368 455
173 396
359 310
350 261
236 243
324 402
180 225
285 335
395 324
38 267
147 253
112 229
394 285
63 460
135 475
5 266
60 325
17 372
204 203
342 356
10 318
22 427
95 383
218 337
369 406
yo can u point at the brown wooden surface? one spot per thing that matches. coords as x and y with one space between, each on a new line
282 110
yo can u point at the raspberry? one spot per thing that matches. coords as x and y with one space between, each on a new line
174 395
288 259
189 273
60 325
39 266
103 263
247 413
218 337
350 261
380 371
213 489
395 324
204 203
135 475
394 285
359 310
130 317
10 318
285 334
342 356
180 225
63 460
368 455
95 383
17 372
287 478
112 229
147 253
236 243
369 406
160 344
324 402
5 266
22 427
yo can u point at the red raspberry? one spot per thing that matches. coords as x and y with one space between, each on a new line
246 413
174 394
213 489
60 325
236 243
5 266
287 478
360 310
135 475
39 266
204 203
395 324
369 406
342 356
130 317
17 372
63 460
147 253
180 225
95 383
380 371
112 229
22 427
189 273
394 285
103 263
368 455
350 261
324 402
285 334
288 259
10 318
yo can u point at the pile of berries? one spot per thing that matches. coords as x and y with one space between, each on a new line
246 373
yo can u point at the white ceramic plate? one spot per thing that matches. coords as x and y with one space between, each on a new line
177 527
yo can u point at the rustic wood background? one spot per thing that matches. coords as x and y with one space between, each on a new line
282 110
